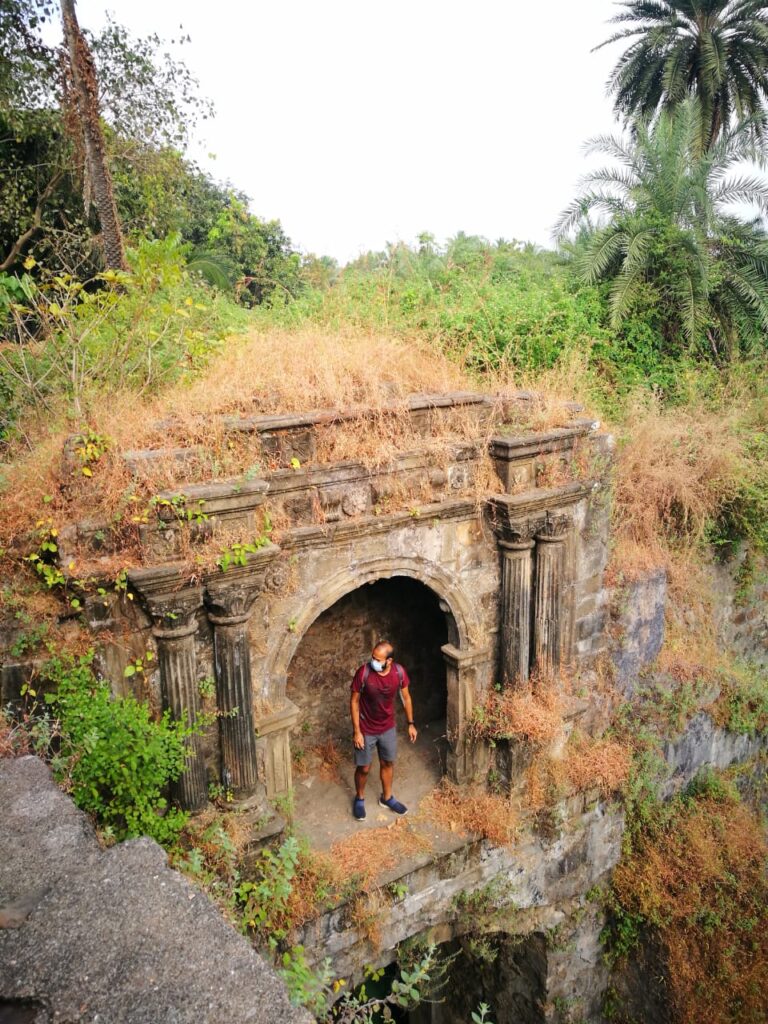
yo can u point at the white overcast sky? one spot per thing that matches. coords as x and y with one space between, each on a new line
360 122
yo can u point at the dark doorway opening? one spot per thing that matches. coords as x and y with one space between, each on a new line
506 972
408 614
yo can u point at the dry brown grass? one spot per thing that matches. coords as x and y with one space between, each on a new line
702 883
675 468
545 782
603 764
280 371
329 759
316 881
365 917
368 854
532 713
473 811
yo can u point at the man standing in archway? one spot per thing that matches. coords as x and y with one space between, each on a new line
372 707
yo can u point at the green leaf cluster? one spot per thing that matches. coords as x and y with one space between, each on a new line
114 758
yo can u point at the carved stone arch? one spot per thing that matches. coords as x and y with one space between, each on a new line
466 662
463 622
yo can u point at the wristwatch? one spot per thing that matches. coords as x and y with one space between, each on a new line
412 723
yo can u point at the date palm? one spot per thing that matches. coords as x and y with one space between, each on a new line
715 50
668 224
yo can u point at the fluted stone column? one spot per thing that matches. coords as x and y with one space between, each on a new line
516 573
515 536
174 625
548 621
229 609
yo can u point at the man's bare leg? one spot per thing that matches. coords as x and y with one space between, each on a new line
387 772
361 777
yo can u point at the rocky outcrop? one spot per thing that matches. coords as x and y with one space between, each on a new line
112 936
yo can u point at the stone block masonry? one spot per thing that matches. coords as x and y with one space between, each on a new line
507 582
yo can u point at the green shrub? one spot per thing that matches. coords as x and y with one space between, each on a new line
114 758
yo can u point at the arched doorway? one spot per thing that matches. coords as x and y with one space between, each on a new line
410 615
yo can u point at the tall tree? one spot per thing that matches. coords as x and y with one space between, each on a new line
82 76
668 229
715 50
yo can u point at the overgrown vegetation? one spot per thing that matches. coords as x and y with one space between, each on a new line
696 878
110 753
655 318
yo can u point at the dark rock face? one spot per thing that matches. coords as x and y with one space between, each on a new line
113 936
640 619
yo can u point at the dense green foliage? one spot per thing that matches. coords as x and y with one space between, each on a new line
150 104
714 50
670 249
114 758
73 339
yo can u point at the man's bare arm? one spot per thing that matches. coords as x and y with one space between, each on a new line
354 712
408 705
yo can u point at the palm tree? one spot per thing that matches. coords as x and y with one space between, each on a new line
715 50
84 88
667 226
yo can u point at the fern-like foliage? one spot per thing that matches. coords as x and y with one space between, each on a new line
715 50
665 219
217 269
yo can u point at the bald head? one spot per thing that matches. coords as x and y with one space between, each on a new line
382 651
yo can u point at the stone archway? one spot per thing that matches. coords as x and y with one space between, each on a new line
398 608
462 618
412 617
467 663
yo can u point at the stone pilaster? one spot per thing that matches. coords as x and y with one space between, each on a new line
548 625
174 624
516 574
229 609
467 673
516 544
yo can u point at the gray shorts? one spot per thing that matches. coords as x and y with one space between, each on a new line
385 742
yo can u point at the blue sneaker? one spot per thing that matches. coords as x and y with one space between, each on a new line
393 805
358 808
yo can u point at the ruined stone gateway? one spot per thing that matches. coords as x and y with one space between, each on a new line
480 582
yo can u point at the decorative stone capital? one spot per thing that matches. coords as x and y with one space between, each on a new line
553 527
174 615
513 532
230 605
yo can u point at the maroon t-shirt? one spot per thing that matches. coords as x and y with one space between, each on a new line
377 699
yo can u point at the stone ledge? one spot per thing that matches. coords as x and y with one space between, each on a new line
517 507
509 448
366 526
116 935
331 417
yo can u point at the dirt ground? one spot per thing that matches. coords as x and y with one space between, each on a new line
323 798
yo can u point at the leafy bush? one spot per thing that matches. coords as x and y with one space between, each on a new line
114 758
74 338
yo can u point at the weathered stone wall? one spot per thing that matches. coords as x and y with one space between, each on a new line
540 887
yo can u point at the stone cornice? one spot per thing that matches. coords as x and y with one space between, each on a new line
367 526
507 448
515 509
329 417
219 499
172 577
282 481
